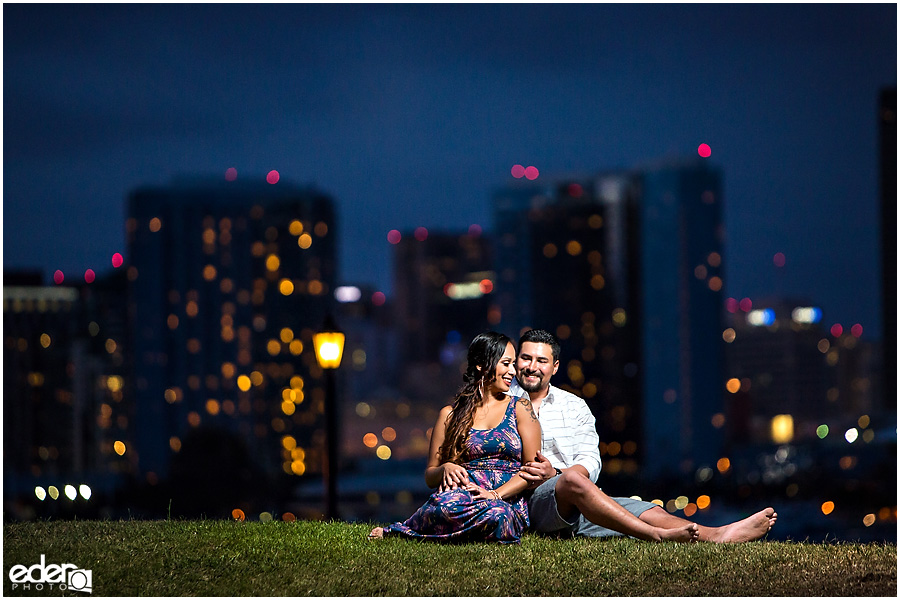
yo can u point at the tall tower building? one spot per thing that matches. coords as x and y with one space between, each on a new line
887 141
624 267
228 283
680 310
565 265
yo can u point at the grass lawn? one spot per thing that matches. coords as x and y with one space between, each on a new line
226 558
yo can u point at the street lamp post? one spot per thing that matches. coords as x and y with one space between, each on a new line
329 346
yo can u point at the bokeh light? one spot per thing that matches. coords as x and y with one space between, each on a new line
40 493
475 229
89 277
733 385
117 260
704 150
273 177
58 277
869 520
827 507
703 502
383 452
778 259
746 304
393 236
370 440
856 330
230 174
518 171
378 298
723 464
531 173
731 305
421 234
119 447
837 330
851 435
822 431
238 515
71 492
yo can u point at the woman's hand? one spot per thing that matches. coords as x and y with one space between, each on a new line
479 493
454 477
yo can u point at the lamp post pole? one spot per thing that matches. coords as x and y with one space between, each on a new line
329 345
331 460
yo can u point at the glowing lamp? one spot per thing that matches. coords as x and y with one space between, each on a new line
329 345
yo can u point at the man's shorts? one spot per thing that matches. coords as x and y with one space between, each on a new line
545 517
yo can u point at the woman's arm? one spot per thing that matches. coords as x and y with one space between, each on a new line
530 432
447 475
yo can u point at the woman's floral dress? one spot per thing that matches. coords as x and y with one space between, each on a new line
491 457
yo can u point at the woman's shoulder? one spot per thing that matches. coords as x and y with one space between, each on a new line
445 412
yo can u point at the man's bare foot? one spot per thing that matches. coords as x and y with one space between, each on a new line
377 533
746 530
688 533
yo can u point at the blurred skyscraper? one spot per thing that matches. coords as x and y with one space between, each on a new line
228 283
624 269
65 417
887 141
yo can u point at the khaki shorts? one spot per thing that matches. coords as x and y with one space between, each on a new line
545 517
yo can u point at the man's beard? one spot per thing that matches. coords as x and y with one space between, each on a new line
530 387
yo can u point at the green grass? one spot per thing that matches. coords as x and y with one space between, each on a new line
225 558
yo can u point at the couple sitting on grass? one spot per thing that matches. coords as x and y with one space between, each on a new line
507 411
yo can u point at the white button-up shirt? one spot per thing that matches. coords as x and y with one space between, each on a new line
568 430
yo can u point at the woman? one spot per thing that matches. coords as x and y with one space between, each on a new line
477 449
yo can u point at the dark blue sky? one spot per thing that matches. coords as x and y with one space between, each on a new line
412 115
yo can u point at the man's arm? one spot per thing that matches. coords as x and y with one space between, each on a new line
587 442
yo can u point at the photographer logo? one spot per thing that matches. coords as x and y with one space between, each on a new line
54 577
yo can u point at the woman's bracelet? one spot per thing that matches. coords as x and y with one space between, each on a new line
496 495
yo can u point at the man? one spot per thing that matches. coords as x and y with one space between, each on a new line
566 499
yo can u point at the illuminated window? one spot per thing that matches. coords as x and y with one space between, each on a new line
782 428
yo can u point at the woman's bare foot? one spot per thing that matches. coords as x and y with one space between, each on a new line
746 530
377 533
688 534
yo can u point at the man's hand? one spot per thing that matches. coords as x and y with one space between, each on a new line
454 477
537 471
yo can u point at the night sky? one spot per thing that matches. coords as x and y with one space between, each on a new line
412 115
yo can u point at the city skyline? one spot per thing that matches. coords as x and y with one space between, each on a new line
411 115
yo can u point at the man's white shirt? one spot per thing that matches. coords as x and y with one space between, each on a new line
568 430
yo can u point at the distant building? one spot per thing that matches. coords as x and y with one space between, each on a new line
443 293
64 411
681 266
788 376
887 146
624 267
228 281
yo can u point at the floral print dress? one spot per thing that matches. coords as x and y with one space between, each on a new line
491 457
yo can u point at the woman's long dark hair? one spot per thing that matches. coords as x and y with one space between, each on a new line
485 352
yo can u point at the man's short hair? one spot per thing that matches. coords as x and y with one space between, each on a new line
541 336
